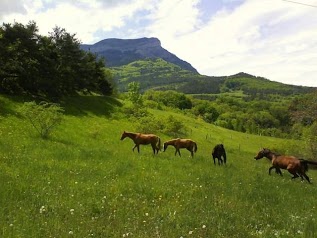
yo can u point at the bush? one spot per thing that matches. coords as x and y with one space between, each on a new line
149 124
44 117
173 127
135 111
169 126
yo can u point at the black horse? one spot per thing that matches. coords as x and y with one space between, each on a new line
219 152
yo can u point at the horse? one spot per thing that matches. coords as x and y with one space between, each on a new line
178 143
296 167
219 152
143 139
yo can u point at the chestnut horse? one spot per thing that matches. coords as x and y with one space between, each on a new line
143 139
178 143
219 152
296 167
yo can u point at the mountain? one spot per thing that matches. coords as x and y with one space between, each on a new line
118 52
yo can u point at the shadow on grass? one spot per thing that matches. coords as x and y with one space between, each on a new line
74 105
8 105
85 105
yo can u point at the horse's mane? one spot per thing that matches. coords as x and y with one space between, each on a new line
273 152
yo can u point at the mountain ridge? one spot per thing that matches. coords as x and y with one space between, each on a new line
118 52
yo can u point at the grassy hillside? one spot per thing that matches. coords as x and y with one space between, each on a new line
84 182
161 75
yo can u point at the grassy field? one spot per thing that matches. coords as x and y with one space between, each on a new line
84 182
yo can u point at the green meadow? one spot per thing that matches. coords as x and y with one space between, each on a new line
84 182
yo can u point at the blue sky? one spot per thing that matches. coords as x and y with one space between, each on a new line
275 39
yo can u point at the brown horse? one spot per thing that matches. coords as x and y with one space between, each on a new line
219 152
296 167
178 143
143 139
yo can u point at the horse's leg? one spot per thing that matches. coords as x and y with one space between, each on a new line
153 148
214 160
291 171
272 167
192 153
278 171
295 175
134 147
179 152
306 177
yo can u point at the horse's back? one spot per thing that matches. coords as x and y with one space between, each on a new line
186 142
146 138
285 161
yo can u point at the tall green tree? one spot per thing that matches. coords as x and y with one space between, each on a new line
19 68
51 66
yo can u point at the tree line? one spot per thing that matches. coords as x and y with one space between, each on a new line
50 66
279 118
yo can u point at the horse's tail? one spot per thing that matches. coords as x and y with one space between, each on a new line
159 143
195 147
305 163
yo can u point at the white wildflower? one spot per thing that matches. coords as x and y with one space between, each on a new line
42 209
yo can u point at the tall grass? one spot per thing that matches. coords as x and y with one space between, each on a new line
84 182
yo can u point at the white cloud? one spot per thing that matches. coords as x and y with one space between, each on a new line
83 18
265 38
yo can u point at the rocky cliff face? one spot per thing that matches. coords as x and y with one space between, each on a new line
119 52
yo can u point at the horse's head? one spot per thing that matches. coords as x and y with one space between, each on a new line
262 153
124 135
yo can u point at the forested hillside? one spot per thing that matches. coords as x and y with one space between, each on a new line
160 75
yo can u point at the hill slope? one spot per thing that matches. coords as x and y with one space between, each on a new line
124 51
161 75
84 181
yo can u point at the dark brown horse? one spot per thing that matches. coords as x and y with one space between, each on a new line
219 152
178 143
296 167
143 139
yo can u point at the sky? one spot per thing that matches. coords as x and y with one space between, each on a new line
274 39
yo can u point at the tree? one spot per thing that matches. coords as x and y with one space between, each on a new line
134 93
310 138
19 58
304 109
51 66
